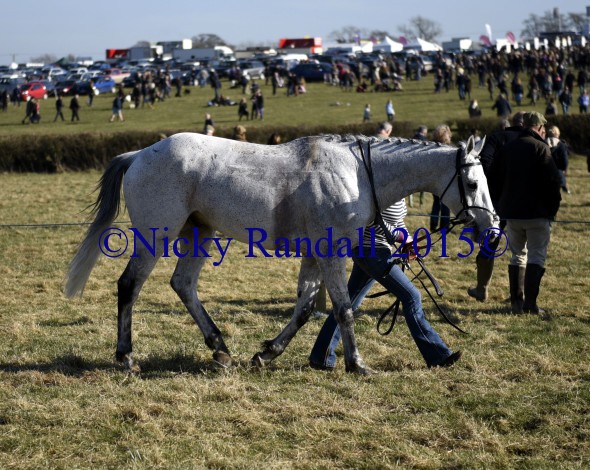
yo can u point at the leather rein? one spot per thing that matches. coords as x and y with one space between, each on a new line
394 308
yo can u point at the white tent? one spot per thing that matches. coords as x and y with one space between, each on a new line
349 48
388 45
423 46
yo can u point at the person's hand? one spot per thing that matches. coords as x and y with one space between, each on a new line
408 248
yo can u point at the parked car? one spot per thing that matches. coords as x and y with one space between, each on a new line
253 68
67 87
312 72
54 73
49 85
84 87
104 85
131 80
36 89
91 75
74 76
80 70
9 84
117 75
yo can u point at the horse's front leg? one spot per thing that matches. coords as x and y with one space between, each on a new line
307 289
334 273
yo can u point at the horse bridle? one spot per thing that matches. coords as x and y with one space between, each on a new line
459 165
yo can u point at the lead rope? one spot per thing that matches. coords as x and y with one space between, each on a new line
405 264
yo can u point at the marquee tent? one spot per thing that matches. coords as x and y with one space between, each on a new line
423 46
388 45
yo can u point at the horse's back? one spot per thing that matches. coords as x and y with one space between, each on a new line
228 184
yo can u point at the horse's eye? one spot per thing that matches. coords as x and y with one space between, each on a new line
472 186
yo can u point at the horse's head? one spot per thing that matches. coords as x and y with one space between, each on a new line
468 197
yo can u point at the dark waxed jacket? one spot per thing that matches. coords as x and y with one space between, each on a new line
530 183
490 152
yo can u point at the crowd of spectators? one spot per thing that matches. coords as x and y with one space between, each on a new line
558 76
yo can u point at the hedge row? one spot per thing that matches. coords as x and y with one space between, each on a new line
52 153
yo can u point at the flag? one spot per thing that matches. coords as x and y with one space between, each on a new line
510 37
485 40
403 40
489 32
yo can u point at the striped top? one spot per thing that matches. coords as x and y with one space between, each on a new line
393 217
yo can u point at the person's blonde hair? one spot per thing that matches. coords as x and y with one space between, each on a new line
553 131
442 134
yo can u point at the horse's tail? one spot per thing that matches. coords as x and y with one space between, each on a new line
105 211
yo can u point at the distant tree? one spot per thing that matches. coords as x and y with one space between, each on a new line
71 58
577 20
423 28
378 35
45 58
207 40
142 43
551 21
348 34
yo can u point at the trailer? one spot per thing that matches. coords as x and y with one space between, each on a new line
203 54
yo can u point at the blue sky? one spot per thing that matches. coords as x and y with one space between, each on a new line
86 28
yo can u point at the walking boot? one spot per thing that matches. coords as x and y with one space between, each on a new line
485 268
516 276
532 282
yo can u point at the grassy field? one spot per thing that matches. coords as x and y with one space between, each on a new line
321 104
519 398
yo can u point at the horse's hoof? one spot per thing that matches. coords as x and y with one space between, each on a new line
360 369
120 356
258 362
222 359
128 362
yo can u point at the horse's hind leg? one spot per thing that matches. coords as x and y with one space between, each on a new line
130 283
184 282
308 287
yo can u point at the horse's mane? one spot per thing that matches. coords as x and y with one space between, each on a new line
406 144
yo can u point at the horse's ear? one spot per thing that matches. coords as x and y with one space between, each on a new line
470 145
479 145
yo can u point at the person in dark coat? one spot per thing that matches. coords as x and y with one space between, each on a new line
59 106
4 101
74 107
560 153
490 151
502 106
30 111
529 200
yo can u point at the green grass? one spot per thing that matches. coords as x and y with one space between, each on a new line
322 104
518 399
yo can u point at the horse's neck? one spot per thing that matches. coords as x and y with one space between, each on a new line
398 176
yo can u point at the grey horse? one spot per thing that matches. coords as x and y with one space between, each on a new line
194 185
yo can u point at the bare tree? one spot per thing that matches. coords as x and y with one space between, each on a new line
45 58
378 35
207 40
423 28
576 21
533 26
552 21
142 43
348 34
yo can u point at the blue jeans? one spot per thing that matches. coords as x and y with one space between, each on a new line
364 273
